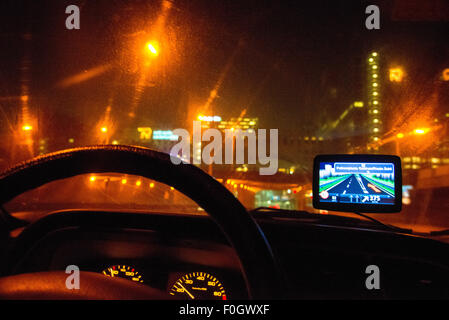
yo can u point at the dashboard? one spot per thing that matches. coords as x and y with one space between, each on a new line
186 268
189 258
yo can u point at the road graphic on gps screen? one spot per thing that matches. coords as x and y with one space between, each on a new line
372 183
358 184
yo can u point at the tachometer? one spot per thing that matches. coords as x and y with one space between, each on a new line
123 271
198 285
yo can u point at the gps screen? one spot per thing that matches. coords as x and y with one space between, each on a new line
358 183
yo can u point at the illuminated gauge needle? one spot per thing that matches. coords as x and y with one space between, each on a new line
191 296
112 273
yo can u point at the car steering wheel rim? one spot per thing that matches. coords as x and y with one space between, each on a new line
258 265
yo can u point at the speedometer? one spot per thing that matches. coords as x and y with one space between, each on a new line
198 285
123 271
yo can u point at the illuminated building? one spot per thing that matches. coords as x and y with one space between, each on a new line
239 123
373 99
208 121
243 123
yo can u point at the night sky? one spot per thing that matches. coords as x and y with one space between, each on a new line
292 64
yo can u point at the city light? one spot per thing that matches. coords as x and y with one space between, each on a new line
27 128
373 95
421 131
151 185
138 183
400 135
209 118
164 135
104 129
153 48
124 181
145 133
239 123
396 74
445 74
92 178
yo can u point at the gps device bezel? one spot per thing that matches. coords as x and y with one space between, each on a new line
362 208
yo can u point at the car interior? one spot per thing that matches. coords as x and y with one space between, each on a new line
246 150
257 255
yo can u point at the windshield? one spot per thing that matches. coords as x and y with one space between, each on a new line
302 79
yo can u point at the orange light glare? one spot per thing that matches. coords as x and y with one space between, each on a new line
396 75
421 131
445 74
152 47
27 128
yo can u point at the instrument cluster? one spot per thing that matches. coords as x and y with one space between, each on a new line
192 285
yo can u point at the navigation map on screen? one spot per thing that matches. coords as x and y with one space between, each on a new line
359 182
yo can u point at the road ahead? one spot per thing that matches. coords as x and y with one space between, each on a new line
357 184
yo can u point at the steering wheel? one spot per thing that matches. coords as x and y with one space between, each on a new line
258 265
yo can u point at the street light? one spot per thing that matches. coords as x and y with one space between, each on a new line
27 128
153 48
421 131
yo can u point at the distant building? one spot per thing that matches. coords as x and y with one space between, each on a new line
239 123
373 100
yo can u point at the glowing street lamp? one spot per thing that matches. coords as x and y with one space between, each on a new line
153 48
27 128
104 129
421 131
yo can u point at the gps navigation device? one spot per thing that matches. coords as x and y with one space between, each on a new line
357 183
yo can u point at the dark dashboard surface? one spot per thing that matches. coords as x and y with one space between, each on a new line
317 261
